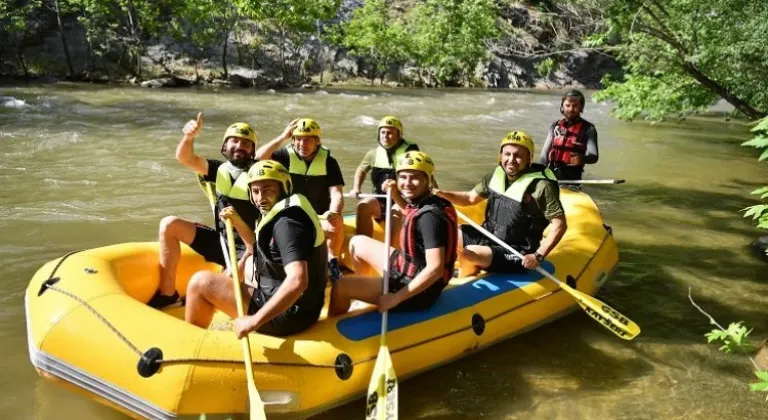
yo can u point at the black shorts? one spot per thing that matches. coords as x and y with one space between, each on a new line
398 280
502 261
567 173
289 322
207 244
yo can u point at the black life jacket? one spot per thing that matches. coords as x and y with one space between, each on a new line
410 244
271 274
384 164
504 213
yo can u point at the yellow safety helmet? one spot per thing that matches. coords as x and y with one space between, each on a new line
270 169
520 138
307 127
417 161
242 130
390 121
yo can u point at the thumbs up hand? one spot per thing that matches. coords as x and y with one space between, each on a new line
193 127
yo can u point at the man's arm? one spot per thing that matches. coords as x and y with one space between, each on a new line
592 154
548 144
459 198
185 153
295 283
557 228
337 199
425 278
362 171
265 152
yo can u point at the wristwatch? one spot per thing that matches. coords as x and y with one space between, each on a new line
538 256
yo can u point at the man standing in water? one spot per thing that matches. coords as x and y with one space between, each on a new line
238 147
316 175
380 161
523 199
571 141
288 269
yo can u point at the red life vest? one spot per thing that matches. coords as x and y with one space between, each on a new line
566 143
415 258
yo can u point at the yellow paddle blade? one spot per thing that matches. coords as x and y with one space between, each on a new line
381 402
604 314
255 404
206 186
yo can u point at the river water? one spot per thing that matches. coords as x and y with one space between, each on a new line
84 166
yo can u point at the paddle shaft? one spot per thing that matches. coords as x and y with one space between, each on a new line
385 277
255 402
599 311
505 245
591 181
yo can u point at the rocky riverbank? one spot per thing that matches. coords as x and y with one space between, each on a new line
535 49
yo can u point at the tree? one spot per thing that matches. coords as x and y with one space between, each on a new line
14 26
450 35
680 56
377 35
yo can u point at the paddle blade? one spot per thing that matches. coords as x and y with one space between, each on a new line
255 404
605 315
381 403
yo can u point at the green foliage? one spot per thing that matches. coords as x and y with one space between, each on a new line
759 212
762 384
735 338
695 51
656 96
545 67
376 34
449 36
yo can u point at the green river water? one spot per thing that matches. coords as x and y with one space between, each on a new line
83 166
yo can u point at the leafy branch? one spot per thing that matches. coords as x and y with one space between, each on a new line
735 339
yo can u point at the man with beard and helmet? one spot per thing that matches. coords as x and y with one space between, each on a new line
316 175
523 199
285 267
423 265
380 161
238 147
571 141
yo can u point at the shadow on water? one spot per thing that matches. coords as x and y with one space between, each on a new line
520 374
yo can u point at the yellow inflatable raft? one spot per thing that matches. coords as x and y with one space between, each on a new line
89 327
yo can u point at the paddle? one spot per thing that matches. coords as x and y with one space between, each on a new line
591 181
255 402
381 403
604 314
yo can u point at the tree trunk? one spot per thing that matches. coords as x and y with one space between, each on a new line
723 92
64 40
224 55
23 65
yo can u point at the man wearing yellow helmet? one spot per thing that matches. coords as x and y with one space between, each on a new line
285 266
238 147
423 265
316 175
380 161
523 199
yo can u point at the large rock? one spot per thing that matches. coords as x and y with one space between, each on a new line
761 246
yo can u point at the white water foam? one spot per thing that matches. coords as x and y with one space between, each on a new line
57 182
366 120
321 92
11 102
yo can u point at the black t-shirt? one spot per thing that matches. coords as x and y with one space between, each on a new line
293 237
315 188
432 231
244 208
